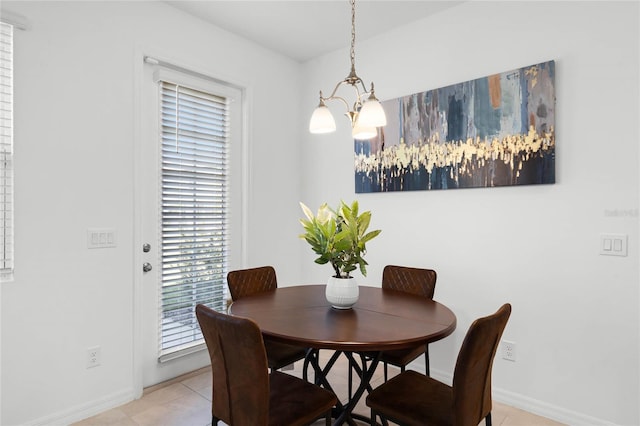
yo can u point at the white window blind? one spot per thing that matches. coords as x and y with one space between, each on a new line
194 206
6 148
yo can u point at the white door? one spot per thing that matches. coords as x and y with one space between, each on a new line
185 235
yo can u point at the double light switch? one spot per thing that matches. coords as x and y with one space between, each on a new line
613 244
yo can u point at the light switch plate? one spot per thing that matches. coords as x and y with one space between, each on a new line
101 237
613 244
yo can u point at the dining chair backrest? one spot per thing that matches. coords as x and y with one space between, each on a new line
239 368
418 281
245 282
248 282
472 374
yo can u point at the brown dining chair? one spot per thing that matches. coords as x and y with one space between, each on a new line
247 282
244 392
416 281
411 398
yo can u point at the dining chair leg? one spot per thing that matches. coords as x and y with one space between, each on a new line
487 420
327 418
426 360
385 371
372 421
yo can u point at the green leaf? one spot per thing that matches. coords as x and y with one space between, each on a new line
370 235
307 211
354 208
363 222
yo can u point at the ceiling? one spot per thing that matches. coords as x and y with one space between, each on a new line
305 29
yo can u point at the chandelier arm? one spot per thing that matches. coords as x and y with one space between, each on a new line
333 94
359 98
332 98
364 89
351 83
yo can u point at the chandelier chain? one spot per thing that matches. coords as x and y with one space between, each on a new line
353 34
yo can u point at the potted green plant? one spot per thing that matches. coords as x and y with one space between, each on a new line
339 237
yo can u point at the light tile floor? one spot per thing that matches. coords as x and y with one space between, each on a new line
186 401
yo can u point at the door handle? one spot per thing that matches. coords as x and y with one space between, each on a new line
146 267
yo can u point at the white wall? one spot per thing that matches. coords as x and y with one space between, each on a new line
74 144
575 313
575 317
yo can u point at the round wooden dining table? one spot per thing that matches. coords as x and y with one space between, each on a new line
380 320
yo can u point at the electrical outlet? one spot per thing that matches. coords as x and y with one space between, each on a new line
93 356
508 350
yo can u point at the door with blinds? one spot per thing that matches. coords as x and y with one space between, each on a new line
187 222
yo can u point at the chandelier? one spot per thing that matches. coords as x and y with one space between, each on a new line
366 114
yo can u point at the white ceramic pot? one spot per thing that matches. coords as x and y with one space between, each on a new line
342 293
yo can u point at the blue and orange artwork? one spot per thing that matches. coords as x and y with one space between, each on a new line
493 131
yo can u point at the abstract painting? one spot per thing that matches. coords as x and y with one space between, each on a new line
493 131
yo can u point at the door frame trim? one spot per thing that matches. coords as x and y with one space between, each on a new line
139 54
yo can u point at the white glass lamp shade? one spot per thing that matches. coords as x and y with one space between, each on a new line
371 114
362 133
322 120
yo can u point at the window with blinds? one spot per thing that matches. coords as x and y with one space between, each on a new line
6 149
194 209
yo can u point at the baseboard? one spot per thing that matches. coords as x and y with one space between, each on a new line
502 396
547 410
539 408
83 411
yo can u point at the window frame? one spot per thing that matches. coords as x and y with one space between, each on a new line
236 96
7 126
